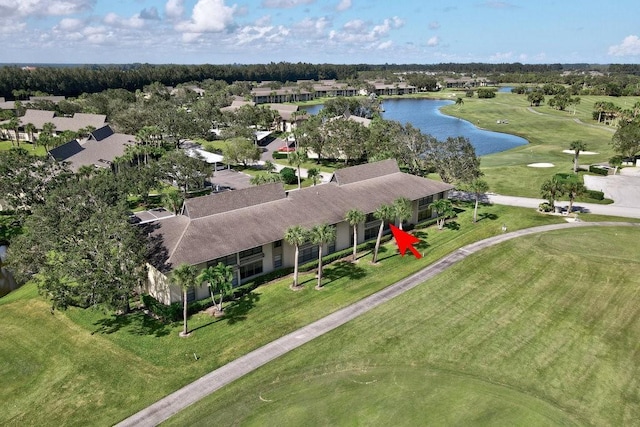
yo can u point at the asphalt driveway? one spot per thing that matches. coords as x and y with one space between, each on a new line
623 189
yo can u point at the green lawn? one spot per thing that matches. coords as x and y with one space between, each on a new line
89 367
39 150
541 330
548 131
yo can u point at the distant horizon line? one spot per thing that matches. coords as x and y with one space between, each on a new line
75 64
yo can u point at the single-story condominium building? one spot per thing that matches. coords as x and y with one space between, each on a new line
245 228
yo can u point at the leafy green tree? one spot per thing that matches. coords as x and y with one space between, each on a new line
173 199
455 160
296 236
485 92
320 235
459 102
626 140
80 247
26 180
241 151
265 178
355 217
403 210
383 213
219 278
187 172
577 146
552 189
535 98
478 187
185 276
443 209
314 174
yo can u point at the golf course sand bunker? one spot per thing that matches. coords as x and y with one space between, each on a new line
581 153
541 165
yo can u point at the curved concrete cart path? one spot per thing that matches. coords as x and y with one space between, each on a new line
209 383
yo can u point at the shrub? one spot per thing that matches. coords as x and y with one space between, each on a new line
545 207
288 176
594 194
278 155
598 170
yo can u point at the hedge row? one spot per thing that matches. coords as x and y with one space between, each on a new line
598 170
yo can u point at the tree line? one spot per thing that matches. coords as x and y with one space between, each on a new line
16 82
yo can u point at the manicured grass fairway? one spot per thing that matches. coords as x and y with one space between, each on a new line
86 367
541 330
548 131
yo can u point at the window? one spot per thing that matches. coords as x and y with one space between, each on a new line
425 202
424 214
331 247
191 294
277 244
226 260
308 252
250 269
250 253
277 261
370 233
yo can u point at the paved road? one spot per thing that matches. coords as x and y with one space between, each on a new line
209 383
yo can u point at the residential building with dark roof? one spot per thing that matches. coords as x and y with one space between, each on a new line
245 228
100 149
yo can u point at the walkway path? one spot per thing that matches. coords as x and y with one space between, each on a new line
209 383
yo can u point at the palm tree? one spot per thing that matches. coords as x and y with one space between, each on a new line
219 279
297 158
185 276
296 236
459 102
444 210
477 187
577 146
29 128
551 190
313 173
321 234
573 189
14 125
403 210
383 213
355 217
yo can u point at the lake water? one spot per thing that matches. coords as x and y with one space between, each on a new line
425 115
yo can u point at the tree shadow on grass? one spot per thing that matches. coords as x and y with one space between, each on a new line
238 309
489 216
139 323
452 225
343 269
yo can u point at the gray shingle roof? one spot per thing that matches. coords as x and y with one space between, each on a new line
232 200
365 171
93 152
226 232
79 120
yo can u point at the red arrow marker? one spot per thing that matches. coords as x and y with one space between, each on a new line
405 241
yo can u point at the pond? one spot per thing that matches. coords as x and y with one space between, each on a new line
425 115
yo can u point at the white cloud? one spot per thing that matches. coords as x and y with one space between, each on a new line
118 21
433 41
357 31
174 9
208 16
151 14
255 34
630 46
343 5
310 27
284 4
69 24
24 8
385 45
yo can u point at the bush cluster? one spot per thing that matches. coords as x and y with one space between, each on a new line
598 170
594 194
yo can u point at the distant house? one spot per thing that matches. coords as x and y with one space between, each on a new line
38 118
99 150
245 228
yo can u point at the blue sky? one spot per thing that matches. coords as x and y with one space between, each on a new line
319 31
